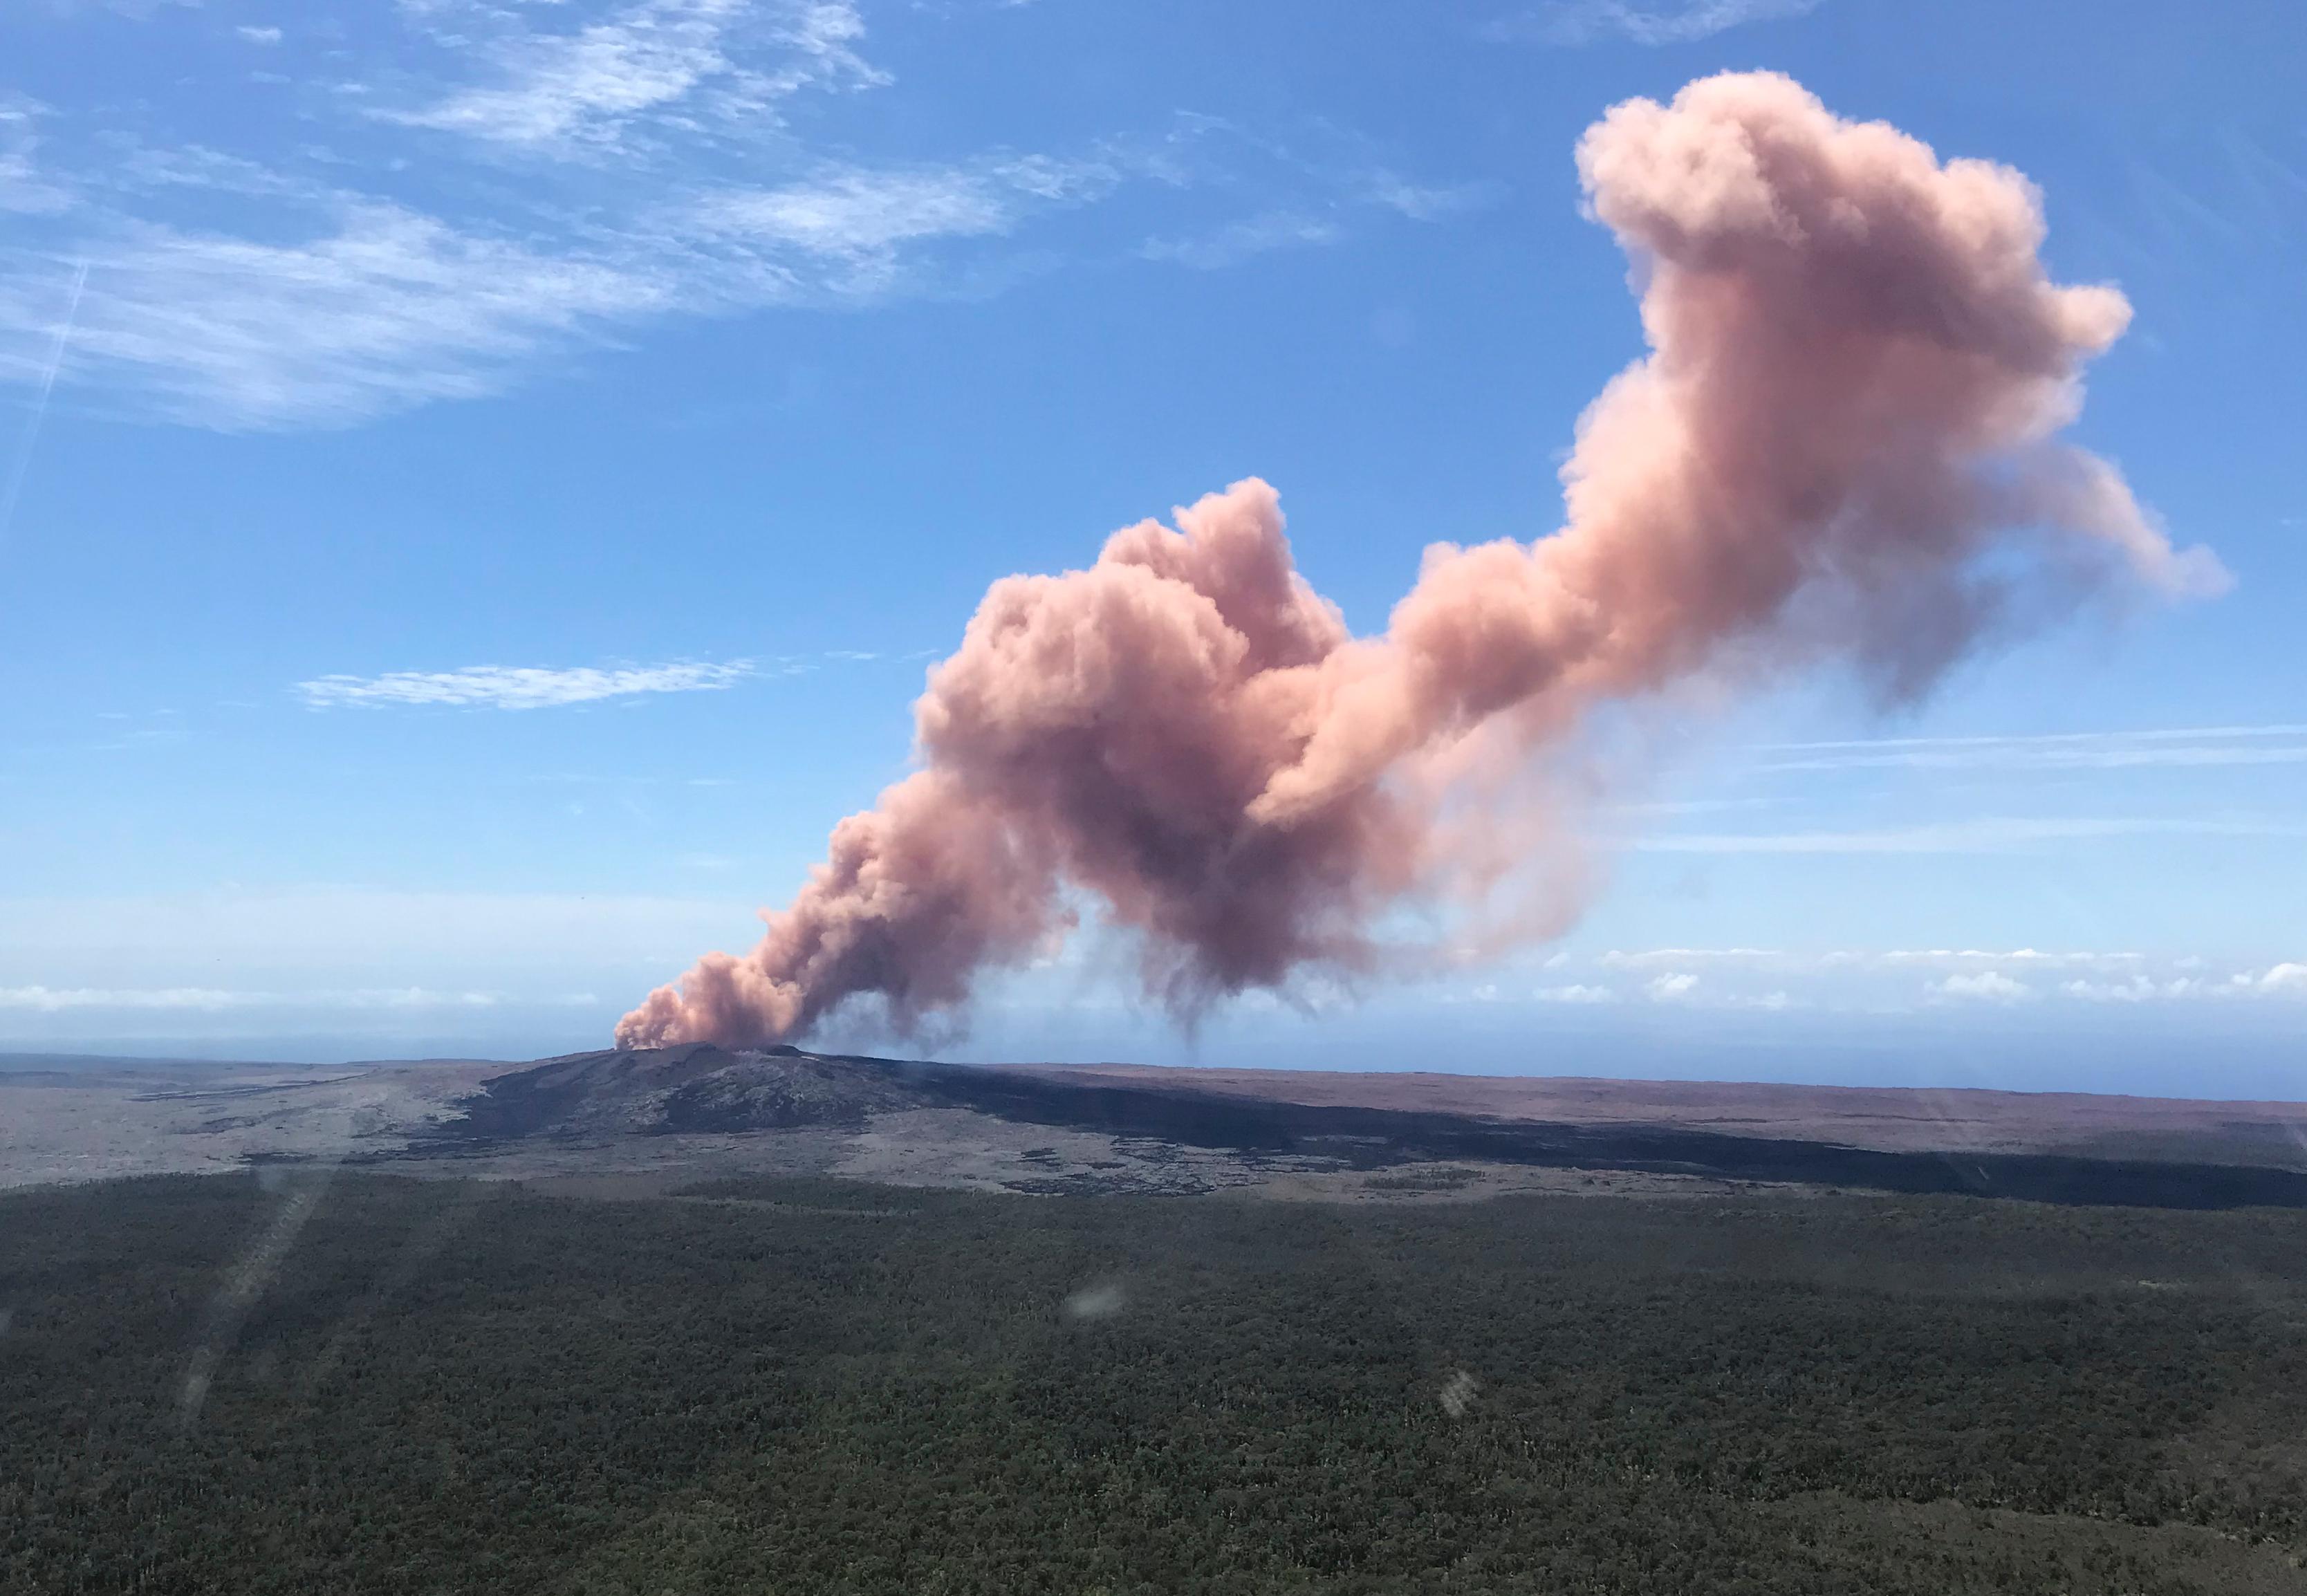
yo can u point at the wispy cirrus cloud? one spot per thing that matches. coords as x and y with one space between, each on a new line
857 212
23 190
384 308
1239 241
2172 747
379 307
846 232
500 687
1573 22
478 190
663 66
1424 202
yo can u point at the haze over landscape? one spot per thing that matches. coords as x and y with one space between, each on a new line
555 459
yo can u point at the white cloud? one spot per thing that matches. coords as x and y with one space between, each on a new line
1991 986
1671 987
1236 243
324 305
2138 989
2180 747
1583 22
143 166
1868 959
2147 988
840 230
43 999
1845 977
1617 960
1962 958
259 36
582 91
2281 979
342 938
385 308
51 999
23 189
365 252
861 212
389 309
1576 992
1421 203
498 687
1989 834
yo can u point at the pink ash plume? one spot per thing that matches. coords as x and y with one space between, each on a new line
1857 372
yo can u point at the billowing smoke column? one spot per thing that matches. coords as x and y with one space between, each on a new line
1841 446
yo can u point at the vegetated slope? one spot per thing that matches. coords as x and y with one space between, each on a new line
814 1386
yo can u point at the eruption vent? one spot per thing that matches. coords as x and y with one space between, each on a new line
1840 447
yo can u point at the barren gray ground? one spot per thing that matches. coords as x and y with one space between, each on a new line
91 1125
57 1128
1891 1118
82 1123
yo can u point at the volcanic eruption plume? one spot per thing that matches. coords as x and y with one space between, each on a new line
1840 447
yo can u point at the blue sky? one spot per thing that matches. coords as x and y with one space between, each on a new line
483 482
